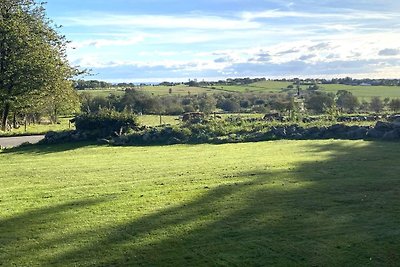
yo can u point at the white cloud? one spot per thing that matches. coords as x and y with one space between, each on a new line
321 43
107 42
389 52
161 22
343 15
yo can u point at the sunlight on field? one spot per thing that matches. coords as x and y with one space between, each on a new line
155 120
32 129
165 205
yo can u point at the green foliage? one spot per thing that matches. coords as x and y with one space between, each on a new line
33 65
206 104
376 104
228 105
346 100
106 122
394 104
140 102
319 102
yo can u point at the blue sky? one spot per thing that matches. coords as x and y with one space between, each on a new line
157 40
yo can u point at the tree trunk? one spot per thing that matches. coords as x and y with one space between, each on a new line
14 120
4 117
55 115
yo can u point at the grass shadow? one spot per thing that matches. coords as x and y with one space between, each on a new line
23 229
40 149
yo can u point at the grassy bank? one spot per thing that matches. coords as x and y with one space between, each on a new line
310 203
34 129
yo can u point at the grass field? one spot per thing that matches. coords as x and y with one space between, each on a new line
103 92
175 90
154 120
286 203
265 87
63 125
33 129
363 92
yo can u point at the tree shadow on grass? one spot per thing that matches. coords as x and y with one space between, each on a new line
339 210
24 230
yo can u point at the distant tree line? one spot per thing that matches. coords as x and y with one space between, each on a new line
315 102
95 84
345 81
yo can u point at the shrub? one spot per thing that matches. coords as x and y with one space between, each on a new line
106 122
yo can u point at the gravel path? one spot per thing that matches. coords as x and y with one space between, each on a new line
16 141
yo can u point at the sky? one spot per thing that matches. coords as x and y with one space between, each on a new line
171 40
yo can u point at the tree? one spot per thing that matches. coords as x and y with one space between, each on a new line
386 101
140 102
207 104
320 102
33 64
376 104
229 105
394 104
346 100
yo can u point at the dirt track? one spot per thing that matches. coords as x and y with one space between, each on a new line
16 141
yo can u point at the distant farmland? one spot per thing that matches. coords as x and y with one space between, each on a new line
362 92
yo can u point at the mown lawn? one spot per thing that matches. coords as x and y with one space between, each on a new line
287 203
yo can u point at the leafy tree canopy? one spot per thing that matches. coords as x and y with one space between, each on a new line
34 70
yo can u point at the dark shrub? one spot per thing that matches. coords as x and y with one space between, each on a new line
106 122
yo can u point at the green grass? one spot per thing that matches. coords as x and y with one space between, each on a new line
365 92
176 90
263 87
103 92
154 120
33 129
287 203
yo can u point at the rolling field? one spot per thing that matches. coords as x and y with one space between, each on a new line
259 87
363 92
175 90
287 203
103 92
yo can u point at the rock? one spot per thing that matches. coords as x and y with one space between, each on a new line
395 117
50 135
279 131
384 126
312 133
359 133
396 123
391 136
337 128
375 134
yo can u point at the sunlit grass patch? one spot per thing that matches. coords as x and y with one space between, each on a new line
269 203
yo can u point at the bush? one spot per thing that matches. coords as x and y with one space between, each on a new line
106 122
